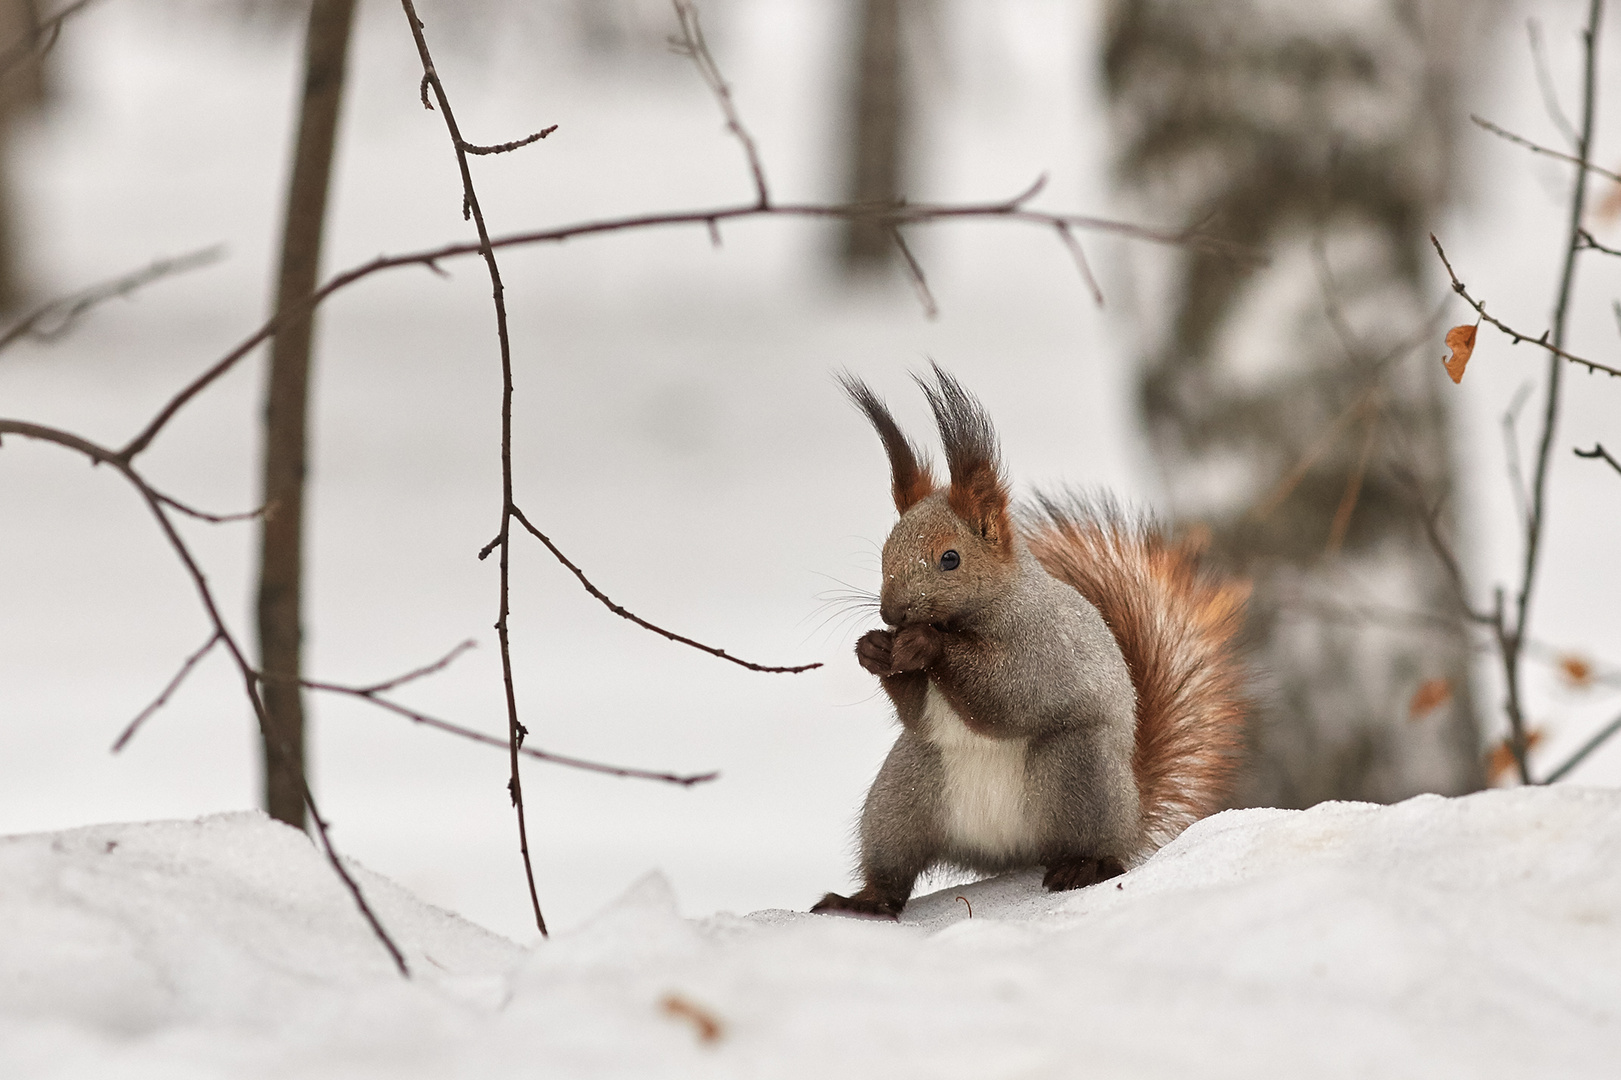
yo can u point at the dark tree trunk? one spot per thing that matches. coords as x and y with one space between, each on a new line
877 130
286 408
1284 403
21 91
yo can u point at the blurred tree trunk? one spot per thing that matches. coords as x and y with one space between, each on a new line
22 88
281 566
1324 138
878 122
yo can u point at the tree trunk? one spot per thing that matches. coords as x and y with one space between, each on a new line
281 565
22 88
878 130
1284 403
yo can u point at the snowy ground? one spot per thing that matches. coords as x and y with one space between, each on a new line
679 431
1476 937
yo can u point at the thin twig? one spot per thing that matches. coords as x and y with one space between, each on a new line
1587 243
1285 487
1598 451
202 515
53 319
508 147
1353 491
102 455
692 44
1516 336
914 270
1430 517
471 207
163 698
370 694
1079 255
1538 148
624 613
41 38
417 673
1511 453
1599 738
1513 639
1550 95
908 214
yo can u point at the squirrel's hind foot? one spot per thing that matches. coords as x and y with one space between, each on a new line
1078 873
865 903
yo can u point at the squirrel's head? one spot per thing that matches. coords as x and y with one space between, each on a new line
952 550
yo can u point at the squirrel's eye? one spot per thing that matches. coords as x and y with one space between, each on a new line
950 561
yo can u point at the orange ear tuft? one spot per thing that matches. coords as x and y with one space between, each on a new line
979 493
911 479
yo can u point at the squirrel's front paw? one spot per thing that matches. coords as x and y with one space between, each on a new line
873 651
916 647
865 904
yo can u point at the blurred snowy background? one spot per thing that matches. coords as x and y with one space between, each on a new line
678 429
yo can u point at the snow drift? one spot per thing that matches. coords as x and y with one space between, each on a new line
1439 937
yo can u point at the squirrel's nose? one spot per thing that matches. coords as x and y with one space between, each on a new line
894 614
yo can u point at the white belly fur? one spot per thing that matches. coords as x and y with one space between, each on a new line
985 810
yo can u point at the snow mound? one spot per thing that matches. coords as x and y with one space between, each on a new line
1469 937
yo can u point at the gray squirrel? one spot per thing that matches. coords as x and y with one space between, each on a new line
1066 681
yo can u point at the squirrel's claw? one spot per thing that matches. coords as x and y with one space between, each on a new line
864 904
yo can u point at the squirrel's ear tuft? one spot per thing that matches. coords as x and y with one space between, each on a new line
911 479
979 493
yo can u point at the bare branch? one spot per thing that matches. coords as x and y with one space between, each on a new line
53 319
163 698
1074 246
1353 490
1598 451
1286 486
370 694
507 147
202 515
418 673
1599 738
1513 640
1538 148
1550 95
1585 242
914 270
692 44
1430 516
1516 336
624 613
102 455
909 214
41 39
471 208
1511 453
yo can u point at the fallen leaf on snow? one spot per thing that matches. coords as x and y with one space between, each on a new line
708 1026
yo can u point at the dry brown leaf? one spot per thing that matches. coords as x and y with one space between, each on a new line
1577 671
1430 695
1461 340
704 1022
1501 761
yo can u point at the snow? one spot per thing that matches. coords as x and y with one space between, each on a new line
1438 937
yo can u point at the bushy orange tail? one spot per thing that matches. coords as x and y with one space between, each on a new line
1177 627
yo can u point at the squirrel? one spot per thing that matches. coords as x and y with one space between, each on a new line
1066 680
